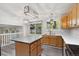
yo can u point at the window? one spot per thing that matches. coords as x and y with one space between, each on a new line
54 25
35 28
38 28
32 28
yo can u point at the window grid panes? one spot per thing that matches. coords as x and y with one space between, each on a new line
35 28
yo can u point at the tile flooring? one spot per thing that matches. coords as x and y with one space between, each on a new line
47 51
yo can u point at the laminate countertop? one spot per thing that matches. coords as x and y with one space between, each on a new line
70 40
31 38
28 39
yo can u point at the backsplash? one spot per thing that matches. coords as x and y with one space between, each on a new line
71 32
75 32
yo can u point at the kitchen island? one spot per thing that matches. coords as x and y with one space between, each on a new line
28 46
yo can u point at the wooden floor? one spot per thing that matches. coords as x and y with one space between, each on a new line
47 51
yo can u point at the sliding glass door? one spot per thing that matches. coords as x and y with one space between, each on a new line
36 28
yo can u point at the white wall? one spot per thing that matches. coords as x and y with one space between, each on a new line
75 32
8 19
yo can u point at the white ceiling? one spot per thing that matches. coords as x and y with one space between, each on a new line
42 10
45 9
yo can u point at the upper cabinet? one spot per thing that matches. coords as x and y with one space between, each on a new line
65 21
77 14
72 18
74 15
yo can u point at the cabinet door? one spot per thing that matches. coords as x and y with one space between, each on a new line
34 52
39 42
68 19
22 49
39 50
74 15
63 22
48 40
34 45
59 42
53 40
45 40
78 14
33 48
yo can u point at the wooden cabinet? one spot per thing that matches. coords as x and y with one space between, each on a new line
33 45
69 20
59 42
22 49
65 22
78 14
33 48
39 50
74 15
34 51
45 40
36 48
52 40
48 40
28 49
74 7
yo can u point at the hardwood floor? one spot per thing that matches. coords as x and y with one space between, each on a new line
47 51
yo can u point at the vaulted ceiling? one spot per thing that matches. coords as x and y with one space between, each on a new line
41 10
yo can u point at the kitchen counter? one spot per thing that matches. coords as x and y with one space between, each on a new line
70 40
28 46
28 39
